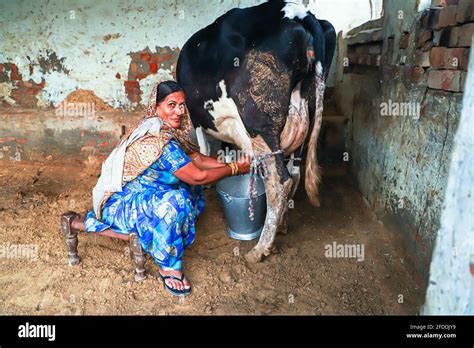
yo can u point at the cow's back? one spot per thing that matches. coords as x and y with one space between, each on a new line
220 52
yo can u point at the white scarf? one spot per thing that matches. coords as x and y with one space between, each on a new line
110 179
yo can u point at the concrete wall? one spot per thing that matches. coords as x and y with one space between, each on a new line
401 162
116 49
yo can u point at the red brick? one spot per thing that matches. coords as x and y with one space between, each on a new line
141 76
145 56
454 58
435 78
133 68
417 74
117 75
404 40
465 11
422 59
14 76
132 89
424 36
448 80
41 84
132 85
447 17
153 67
447 58
451 80
1 68
437 57
465 33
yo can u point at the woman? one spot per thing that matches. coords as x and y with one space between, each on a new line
150 184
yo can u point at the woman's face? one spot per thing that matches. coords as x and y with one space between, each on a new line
172 108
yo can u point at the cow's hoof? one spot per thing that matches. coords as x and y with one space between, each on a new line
73 260
254 256
269 250
140 276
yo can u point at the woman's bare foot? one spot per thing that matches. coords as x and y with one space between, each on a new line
175 283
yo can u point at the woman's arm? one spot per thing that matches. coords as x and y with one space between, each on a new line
193 175
205 162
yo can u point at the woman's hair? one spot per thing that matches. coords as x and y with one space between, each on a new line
165 88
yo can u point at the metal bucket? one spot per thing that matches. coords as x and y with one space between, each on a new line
234 194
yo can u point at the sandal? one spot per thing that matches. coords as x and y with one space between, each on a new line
175 292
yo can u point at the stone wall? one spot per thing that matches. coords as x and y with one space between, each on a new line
399 81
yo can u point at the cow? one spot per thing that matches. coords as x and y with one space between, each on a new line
255 78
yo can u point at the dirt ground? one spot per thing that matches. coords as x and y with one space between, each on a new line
298 280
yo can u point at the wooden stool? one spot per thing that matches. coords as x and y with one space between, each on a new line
70 235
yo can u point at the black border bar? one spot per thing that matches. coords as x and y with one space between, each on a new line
173 330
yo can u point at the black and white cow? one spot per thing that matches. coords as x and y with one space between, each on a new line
256 78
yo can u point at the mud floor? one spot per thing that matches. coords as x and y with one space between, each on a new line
300 279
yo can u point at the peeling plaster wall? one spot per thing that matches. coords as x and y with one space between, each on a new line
92 41
401 163
59 46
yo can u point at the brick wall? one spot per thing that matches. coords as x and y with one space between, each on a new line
400 161
443 46
24 91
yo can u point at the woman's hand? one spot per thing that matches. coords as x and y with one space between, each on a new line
244 164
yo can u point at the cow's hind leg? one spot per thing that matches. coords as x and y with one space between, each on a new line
278 185
294 169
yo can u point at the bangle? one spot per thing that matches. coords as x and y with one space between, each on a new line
236 168
233 166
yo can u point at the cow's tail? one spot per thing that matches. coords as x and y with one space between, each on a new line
312 168
320 64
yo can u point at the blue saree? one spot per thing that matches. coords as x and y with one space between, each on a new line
158 207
